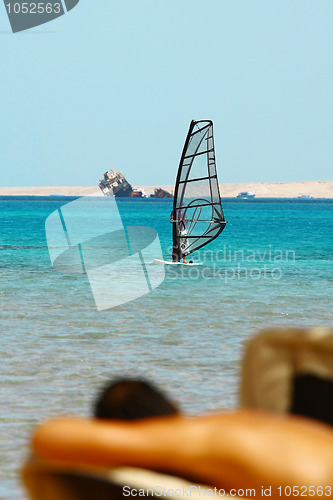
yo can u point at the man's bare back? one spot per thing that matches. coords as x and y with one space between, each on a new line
244 449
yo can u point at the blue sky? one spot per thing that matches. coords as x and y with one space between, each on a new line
115 84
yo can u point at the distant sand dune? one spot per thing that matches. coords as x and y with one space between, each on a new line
317 189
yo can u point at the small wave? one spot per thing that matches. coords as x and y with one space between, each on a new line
23 247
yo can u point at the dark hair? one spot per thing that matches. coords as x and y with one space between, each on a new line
132 399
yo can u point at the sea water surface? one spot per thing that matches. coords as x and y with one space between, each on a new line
272 265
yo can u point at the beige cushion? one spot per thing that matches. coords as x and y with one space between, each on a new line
54 481
275 356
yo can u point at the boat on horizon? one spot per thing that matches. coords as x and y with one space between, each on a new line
161 193
305 197
115 184
245 195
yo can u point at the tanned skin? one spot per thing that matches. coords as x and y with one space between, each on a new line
244 449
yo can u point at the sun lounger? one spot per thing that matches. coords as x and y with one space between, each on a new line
54 481
290 370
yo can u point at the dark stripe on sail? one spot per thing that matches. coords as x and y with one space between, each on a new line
197 154
200 130
199 179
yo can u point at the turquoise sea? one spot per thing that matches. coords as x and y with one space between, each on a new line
272 265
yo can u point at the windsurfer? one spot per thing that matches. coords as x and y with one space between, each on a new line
180 250
197 209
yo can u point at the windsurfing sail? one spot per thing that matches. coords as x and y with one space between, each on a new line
197 210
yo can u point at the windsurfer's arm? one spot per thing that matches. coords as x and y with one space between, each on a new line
237 450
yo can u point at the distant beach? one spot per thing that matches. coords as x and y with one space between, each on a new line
317 189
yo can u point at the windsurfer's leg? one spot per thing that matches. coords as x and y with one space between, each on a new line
174 255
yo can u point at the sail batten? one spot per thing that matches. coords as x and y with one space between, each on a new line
198 179
197 209
201 153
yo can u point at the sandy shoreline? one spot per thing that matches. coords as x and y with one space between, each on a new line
317 189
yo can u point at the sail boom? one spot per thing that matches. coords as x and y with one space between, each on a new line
192 220
201 205
203 236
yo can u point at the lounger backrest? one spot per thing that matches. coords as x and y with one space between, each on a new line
290 370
